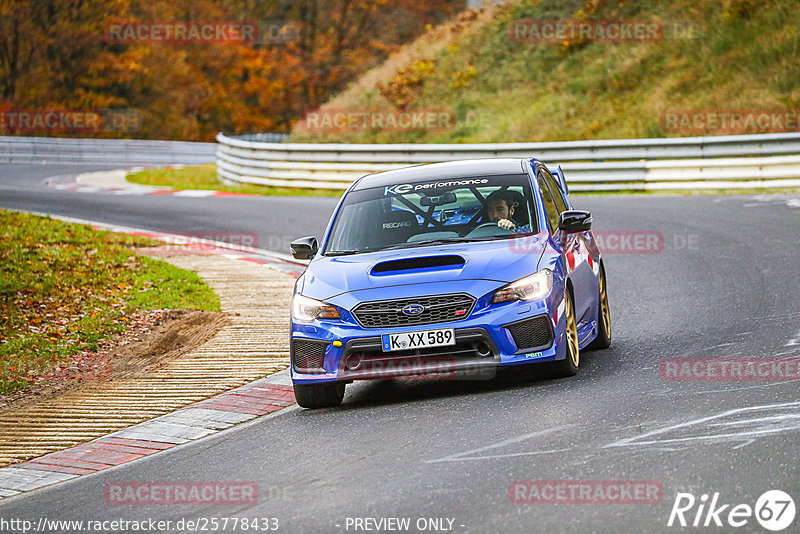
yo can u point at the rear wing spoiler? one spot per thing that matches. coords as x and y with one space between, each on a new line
559 173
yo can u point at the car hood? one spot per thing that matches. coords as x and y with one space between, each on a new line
502 261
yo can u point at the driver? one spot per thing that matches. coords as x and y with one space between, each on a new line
500 206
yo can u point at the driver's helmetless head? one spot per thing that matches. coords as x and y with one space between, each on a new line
499 206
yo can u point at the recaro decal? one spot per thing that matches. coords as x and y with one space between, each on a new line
399 224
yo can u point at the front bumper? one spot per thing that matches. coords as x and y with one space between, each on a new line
324 351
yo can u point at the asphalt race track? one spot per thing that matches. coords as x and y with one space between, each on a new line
722 283
272 222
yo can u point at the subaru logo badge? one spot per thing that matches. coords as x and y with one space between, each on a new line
413 309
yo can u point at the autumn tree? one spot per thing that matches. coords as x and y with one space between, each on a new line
53 54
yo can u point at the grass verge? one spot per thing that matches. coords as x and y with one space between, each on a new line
67 288
205 177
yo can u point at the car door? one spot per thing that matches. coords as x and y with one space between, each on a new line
576 255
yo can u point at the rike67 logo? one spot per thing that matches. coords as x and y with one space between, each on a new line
774 510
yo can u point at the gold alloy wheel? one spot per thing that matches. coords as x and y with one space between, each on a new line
572 331
604 309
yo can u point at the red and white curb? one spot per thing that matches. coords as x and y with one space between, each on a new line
187 424
270 259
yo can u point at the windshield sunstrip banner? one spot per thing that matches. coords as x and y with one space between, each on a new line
402 189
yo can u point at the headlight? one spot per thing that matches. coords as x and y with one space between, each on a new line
531 287
307 309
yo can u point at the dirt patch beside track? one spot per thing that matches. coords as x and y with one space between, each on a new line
155 338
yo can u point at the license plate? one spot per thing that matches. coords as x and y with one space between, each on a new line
416 340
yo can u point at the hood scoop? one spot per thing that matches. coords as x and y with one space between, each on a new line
430 263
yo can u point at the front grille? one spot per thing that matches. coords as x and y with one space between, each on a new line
308 356
436 309
533 333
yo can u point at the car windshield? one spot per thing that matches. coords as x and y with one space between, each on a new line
433 212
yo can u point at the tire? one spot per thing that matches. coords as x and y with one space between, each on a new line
324 395
603 339
569 365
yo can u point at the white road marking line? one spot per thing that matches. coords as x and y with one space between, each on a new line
771 200
794 342
731 390
494 456
468 455
775 418
193 193
792 420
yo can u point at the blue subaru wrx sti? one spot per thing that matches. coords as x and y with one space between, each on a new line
449 269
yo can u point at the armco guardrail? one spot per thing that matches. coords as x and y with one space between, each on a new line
735 161
103 151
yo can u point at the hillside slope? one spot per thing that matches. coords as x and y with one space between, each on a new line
709 57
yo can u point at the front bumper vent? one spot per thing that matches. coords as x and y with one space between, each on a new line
532 334
307 356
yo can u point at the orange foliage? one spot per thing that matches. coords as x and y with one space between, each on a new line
54 54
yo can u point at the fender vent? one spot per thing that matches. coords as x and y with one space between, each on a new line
418 263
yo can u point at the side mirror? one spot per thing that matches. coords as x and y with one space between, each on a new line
304 248
575 221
